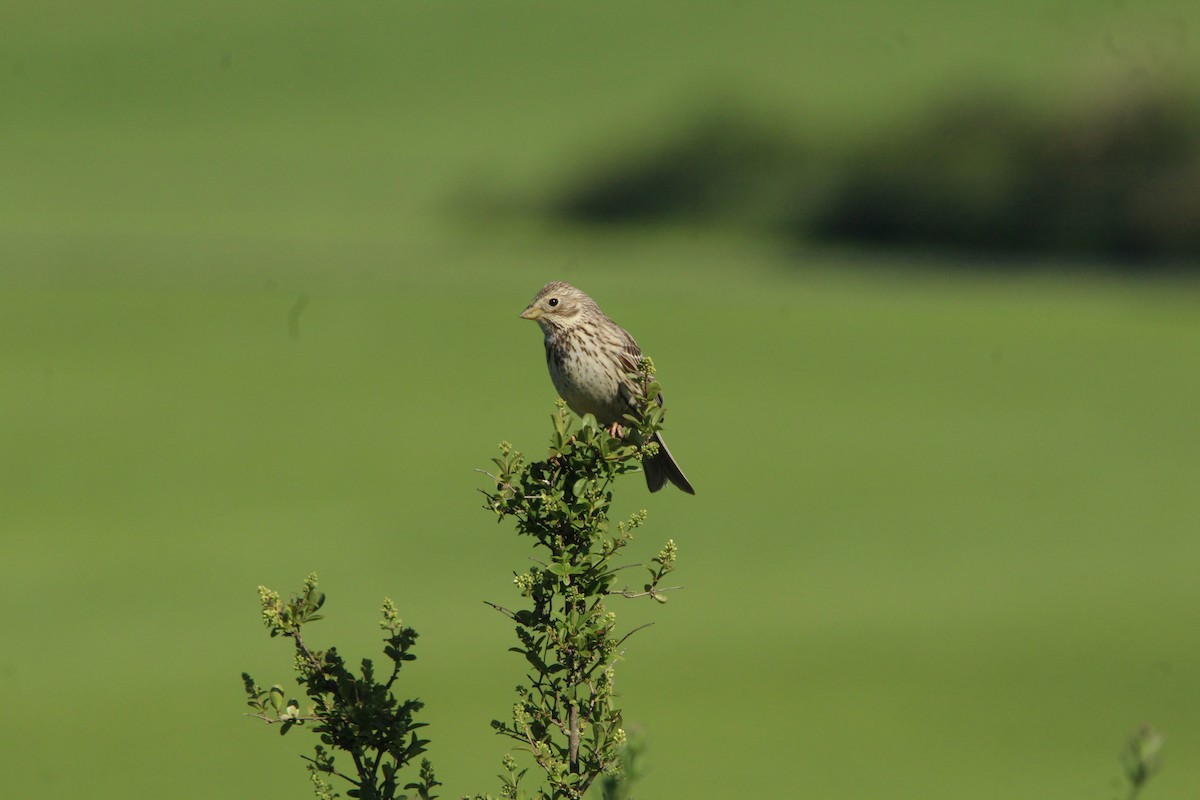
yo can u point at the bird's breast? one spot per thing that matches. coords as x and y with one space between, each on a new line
585 378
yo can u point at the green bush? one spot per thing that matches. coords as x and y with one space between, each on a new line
1117 177
565 718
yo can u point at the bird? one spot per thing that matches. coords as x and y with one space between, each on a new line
590 359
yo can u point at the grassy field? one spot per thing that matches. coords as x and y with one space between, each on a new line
945 539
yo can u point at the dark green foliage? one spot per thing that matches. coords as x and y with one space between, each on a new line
1117 177
355 714
722 165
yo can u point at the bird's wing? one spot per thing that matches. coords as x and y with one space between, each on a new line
630 356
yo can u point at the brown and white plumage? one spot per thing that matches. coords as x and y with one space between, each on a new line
590 357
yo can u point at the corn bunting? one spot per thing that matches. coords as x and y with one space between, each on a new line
590 358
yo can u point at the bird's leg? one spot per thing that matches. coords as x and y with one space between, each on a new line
615 431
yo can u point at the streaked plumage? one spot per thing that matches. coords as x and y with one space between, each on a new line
590 357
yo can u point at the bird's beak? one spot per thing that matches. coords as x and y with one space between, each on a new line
531 312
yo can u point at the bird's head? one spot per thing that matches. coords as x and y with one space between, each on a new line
558 305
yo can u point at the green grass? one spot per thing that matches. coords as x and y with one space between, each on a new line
945 535
943 543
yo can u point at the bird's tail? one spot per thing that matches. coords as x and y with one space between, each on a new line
662 468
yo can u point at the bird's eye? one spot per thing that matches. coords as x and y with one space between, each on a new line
552 302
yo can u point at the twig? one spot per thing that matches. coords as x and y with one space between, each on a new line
621 641
573 741
501 609
650 593
317 764
275 721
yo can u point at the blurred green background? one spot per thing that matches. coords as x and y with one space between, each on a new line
260 266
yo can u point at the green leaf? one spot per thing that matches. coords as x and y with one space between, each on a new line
537 663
